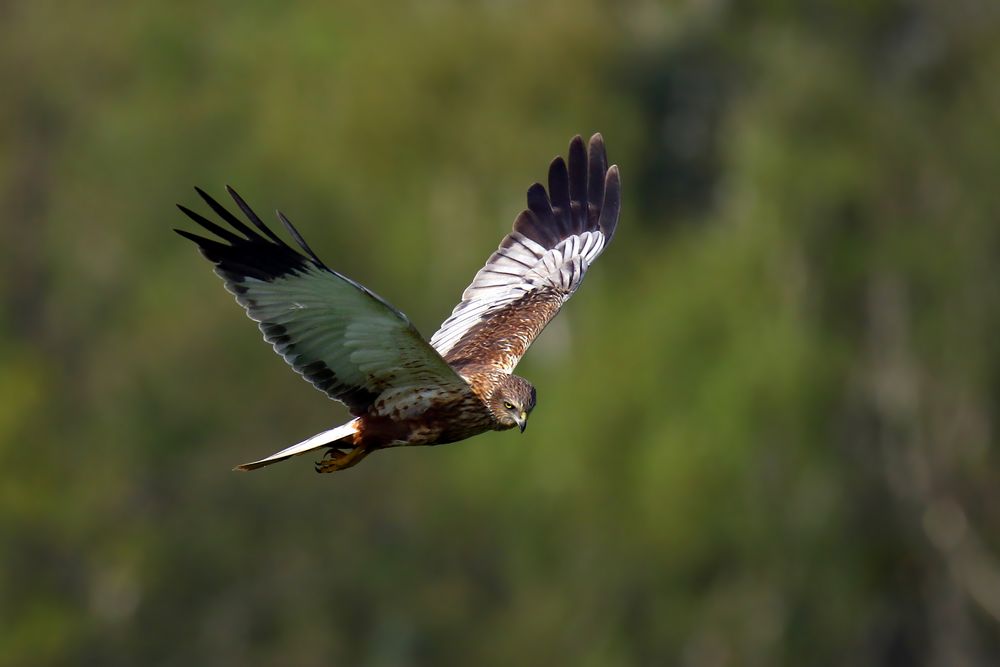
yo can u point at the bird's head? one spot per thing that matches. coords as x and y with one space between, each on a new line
512 402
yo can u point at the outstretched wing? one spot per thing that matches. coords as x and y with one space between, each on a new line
538 265
340 336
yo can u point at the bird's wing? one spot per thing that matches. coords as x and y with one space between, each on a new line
538 265
340 336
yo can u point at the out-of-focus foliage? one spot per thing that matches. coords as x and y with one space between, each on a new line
767 425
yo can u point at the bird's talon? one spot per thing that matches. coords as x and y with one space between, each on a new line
336 459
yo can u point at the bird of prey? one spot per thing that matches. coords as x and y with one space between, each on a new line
355 347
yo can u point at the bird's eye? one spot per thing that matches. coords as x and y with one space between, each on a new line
508 405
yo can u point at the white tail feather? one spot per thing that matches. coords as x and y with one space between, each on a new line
315 442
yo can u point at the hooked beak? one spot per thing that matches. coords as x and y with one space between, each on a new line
522 421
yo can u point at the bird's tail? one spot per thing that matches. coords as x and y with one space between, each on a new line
319 440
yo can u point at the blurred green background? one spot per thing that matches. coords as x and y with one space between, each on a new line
767 424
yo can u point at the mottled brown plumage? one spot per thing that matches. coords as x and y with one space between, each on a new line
501 340
356 348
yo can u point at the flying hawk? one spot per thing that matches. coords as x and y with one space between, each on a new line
355 347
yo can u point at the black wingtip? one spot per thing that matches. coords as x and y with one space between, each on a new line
224 213
578 170
612 202
613 175
208 199
559 184
263 257
298 238
596 152
538 222
252 216
576 199
538 202
597 167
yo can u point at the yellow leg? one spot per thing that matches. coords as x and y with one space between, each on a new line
337 459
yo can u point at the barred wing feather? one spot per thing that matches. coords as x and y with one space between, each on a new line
539 265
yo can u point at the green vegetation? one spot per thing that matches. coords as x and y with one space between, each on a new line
767 424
